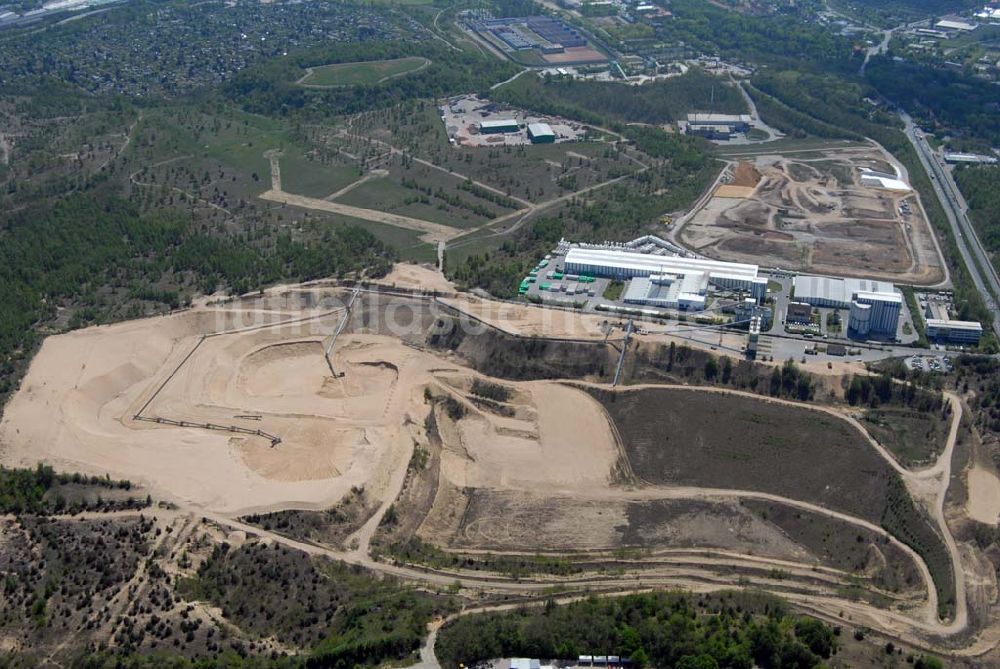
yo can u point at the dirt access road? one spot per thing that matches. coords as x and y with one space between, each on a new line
270 361
824 603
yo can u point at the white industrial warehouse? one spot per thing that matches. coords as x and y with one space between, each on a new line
883 180
874 306
665 281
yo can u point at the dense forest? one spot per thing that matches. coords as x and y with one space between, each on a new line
661 630
346 616
782 42
979 186
26 490
940 98
597 101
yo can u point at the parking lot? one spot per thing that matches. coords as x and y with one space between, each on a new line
930 363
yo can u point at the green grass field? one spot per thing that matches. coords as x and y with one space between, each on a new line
406 242
302 176
361 73
786 144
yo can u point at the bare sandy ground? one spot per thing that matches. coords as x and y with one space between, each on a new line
528 320
984 495
76 408
732 191
262 367
546 453
432 232
419 277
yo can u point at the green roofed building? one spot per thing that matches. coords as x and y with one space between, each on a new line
541 133
498 126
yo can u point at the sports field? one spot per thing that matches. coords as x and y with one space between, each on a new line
361 73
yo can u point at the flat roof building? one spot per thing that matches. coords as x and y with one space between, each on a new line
874 305
826 291
710 131
541 133
524 663
672 291
799 312
499 125
975 158
680 274
959 332
736 120
954 23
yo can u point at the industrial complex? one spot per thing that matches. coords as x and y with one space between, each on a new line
535 38
873 306
652 277
717 126
667 281
471 120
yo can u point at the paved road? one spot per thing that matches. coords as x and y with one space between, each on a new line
973 253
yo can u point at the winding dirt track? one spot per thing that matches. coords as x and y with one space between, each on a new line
683 573
812 588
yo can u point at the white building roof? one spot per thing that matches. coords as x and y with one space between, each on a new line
954 325
540 129
655 264
524 663
875 181
954 24
968 158
841 290
715 119
498 123
878 297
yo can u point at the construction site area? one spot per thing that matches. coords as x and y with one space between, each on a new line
448 415
844 212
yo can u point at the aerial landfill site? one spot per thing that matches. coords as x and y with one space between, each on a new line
606 334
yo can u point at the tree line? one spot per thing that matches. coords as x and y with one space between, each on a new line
599 101
662 629
67 255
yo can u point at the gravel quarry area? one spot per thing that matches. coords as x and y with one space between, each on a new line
500 441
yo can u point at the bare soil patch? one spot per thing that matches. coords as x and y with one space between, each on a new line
814 215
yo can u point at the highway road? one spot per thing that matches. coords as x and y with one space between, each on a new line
974 255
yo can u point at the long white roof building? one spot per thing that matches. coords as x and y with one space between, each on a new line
644 264
828 291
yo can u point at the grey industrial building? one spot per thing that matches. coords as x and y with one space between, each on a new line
711 131
799 312
874 305
673 281
498 126
735 122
